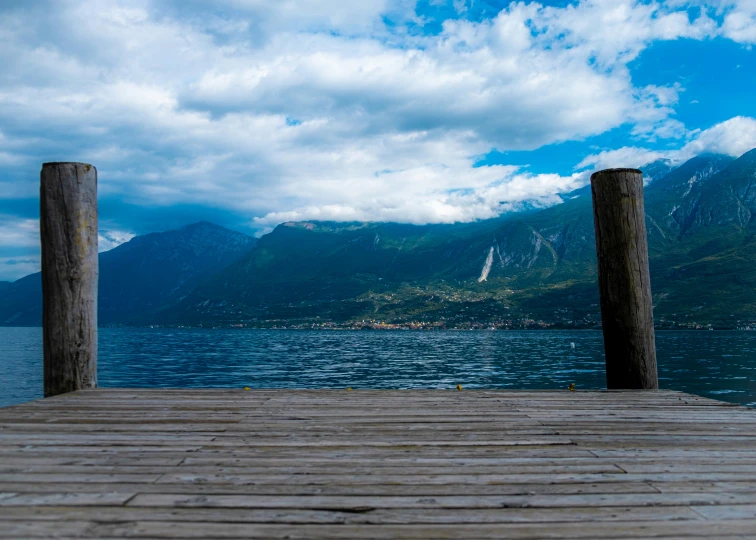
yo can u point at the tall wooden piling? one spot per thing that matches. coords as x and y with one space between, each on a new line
68 232
624 279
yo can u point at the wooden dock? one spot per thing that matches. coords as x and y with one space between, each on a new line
377 464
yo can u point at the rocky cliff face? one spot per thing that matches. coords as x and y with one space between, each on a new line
674 201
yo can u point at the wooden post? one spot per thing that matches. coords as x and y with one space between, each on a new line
68 232
624 281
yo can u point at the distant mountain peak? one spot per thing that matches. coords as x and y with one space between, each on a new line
657 169
749 156
710 156
694 170
205 227
204 224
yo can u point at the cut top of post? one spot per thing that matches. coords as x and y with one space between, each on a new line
59 163
72 165
605 172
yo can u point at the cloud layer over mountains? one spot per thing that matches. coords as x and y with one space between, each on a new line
324 109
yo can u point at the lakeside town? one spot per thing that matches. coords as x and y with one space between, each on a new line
520 324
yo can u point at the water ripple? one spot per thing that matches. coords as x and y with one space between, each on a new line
716 364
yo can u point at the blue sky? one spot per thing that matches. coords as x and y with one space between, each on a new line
249 113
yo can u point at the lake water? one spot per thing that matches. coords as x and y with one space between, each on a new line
721 365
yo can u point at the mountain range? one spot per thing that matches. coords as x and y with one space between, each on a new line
140 278
535 268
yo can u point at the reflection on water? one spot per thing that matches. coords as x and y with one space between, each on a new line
721 365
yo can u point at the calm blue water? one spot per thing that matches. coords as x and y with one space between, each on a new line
721 365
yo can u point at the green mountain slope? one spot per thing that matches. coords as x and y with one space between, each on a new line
516 270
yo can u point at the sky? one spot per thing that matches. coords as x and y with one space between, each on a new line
249 113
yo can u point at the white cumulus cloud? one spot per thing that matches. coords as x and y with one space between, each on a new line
733 137
319 109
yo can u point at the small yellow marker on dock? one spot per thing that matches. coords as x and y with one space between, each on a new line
349 388
247 388
459 387
571 388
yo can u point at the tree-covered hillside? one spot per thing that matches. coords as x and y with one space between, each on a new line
533 266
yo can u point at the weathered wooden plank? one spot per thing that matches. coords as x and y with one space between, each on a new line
293 452
161 466
67 499
373 516
56 461
367 479
88 478
279 431
296 467
375 457
63 449
356 503
741 511
408 479
123 417
308 443
335 488
692 486
45 529
491 464
748 469
708 452
344 470
97 439
173 529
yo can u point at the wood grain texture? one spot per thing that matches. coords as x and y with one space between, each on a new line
377 464
68 233
624 279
